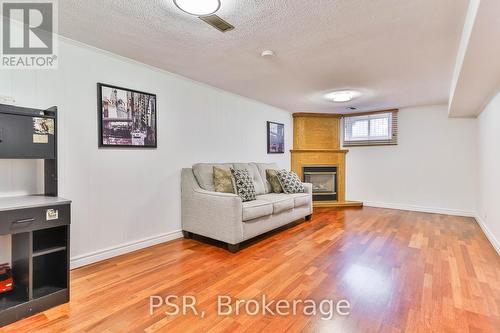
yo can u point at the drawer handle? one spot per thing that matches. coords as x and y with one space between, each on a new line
25 221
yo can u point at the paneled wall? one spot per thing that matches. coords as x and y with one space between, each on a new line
125 199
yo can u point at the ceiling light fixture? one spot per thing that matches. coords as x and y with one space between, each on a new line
198 7
268 53
342 96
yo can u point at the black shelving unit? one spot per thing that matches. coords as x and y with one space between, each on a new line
39 225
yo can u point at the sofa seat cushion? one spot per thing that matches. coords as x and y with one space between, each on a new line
255 209
301 199
280 202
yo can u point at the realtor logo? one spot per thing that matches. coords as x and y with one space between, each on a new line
28 34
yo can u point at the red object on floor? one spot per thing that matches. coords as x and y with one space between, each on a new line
6 281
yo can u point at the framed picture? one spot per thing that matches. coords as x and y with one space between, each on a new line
127 118
275 138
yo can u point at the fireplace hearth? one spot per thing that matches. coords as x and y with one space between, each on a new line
324 181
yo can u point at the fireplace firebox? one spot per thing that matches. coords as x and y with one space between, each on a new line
324 181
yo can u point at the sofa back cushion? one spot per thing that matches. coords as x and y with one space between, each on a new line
253 170
204 173
262 170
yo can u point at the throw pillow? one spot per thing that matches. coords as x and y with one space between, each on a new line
290 182
223 181
244 184
272 178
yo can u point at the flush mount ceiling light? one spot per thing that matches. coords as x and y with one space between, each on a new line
342 96
198 7
268 53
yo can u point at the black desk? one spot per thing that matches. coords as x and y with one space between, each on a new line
39 227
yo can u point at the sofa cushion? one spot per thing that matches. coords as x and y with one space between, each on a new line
290 182
254 173
243 184
281 202
255 209
223 180
272 178
204 173
301 199
262 170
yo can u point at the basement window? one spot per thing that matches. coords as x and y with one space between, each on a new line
371 129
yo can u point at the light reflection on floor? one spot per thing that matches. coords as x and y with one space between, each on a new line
367 285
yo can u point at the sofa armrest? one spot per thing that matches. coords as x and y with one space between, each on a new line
211 214
308 188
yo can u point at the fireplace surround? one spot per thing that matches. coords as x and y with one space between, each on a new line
318 158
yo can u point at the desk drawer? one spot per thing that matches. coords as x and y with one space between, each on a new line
23 220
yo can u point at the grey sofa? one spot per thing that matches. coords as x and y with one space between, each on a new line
224 217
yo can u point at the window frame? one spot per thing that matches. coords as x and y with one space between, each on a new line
392 139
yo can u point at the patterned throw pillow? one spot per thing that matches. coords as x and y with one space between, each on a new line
272 178
290 182
223 181
244 184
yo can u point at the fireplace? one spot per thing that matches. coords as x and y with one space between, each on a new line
324 181
317 157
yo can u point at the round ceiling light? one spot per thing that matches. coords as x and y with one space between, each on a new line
198 7
342 96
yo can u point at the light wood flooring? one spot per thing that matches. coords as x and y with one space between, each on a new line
401 271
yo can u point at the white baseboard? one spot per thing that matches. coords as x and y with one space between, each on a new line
488 233
100 255
433 210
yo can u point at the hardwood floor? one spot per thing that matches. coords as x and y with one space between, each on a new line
401 271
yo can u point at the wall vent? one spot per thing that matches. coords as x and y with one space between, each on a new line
217 23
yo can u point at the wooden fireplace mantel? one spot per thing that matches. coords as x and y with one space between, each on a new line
337 151
317 142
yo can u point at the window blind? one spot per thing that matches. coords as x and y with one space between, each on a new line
371 129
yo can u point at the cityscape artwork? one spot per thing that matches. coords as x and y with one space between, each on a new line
127 118
275 138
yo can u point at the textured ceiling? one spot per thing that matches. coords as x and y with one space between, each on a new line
399 52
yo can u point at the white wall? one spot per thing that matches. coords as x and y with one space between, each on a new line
121 197
17 177
124 199
489 171
433 168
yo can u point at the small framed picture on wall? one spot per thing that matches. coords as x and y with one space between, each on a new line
127 118
275 138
